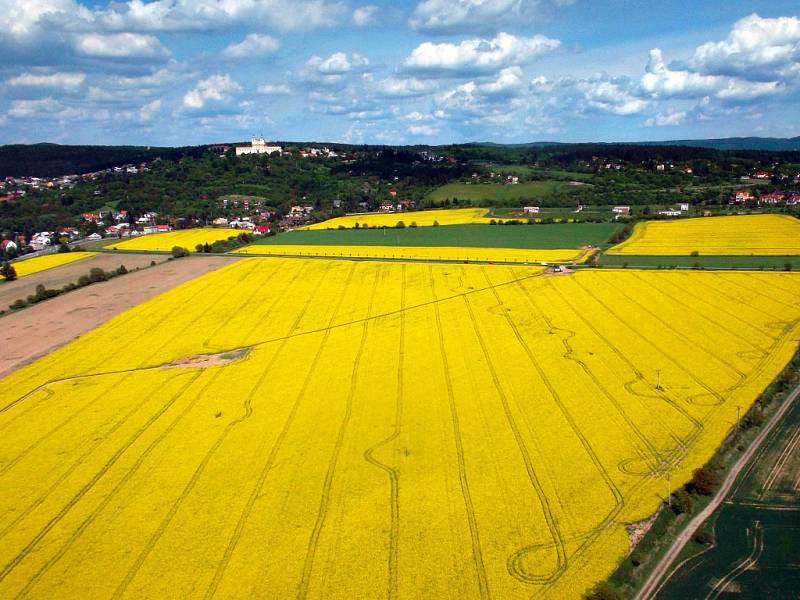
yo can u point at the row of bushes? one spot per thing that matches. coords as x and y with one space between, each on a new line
220 246
95 275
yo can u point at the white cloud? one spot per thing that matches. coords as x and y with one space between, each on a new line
338 63
216 87
424 130
252 46
65 81
20 18
119 45
30 108
479 55
365 15
671 117
406 87
274 89
611 95
756 48
453 16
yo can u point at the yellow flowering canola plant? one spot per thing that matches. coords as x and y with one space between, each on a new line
455 216
30 266
758 235
517 255
288 428
185 238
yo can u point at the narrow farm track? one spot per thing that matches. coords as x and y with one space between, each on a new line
652 584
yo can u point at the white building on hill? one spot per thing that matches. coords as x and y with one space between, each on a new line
258 146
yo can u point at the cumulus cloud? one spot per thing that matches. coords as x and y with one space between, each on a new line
479 55
216 87
253 45
119 45
365 15
453 16
274 89
672 117
338 63
756 48
406 87
423 130
612 95
64 81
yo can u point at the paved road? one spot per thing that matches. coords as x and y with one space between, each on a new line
653 583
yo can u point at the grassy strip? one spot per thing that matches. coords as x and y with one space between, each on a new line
722 262
635 569
544 236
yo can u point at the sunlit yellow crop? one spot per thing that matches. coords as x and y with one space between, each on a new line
515 255
765 235
185 238
48 261
374 430
455 216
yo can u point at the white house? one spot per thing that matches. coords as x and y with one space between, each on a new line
258 146
621 210
530 210
684 206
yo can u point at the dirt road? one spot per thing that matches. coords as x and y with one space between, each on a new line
33 332
653 583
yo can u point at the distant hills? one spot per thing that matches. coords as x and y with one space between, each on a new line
52 160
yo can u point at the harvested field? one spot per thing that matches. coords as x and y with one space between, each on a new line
384 430
758 235
71 315
57 278
29 266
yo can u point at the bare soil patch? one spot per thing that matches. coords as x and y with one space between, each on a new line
58 277
35 331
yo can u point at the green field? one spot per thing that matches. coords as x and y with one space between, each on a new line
567 235
527 171
531 190
738 262
757 531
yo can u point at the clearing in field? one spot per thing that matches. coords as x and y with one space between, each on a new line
455 216
48 261
767 235
510 255
185 238
366 429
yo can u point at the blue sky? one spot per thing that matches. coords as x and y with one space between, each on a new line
175 72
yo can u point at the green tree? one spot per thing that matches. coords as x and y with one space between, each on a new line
8 271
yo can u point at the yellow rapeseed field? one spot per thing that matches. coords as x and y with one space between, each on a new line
185 238
455 216
374 430
517 255
48 261
758 235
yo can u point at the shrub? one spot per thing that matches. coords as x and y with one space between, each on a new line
704 537
63 248
400 225
96 275
83 281
121 270
18 303
703 482
413 224
604 591
682 502
198 248
787 266
436 223
178 252
8 271
694 253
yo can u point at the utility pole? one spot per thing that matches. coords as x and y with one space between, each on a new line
669 489
738 411
658 379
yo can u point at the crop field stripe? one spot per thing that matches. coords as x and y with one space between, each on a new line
679 334
78 532
777 467
513 564
719 398
723 289
393 472
311 550
89 485
706 316
75 414
75 464
477 554
744 565
762 282
234 540
697 425
544 501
